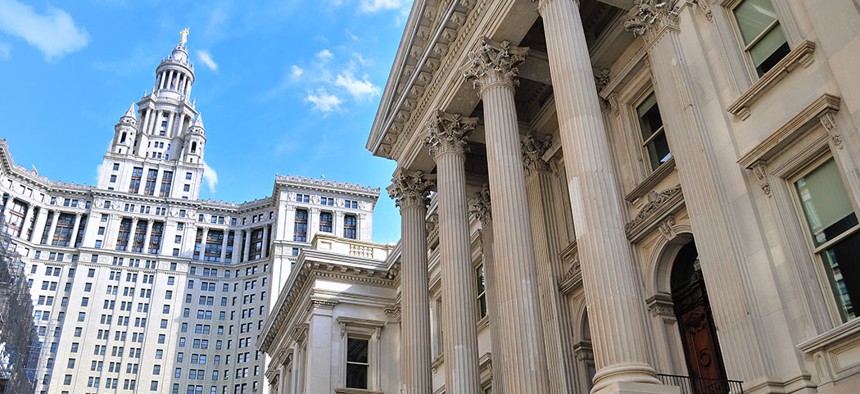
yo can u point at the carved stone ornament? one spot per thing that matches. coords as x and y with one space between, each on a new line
409 188
651 16
449 133
705 6
761 175
655 202
667 228
533 151
493 64
828 120
480 207
661 305
601 79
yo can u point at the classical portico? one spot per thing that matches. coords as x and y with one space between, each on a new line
595 195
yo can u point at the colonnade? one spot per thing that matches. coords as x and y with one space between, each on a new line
615 308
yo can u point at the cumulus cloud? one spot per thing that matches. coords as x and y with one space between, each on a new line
324 55
53 32
296 72
380 5
206 58
5 50
359 89
210 177
323 100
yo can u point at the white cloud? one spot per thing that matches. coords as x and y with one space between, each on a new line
206 59
210 177
324 55
380 5
5 50
296 72
54 32
359 89
323 101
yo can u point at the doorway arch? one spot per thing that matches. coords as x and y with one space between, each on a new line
695 322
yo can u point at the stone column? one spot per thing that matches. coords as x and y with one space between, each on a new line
41 218
265 251
247 248
75 228
479 206
238 242
447 143
130 244
492 69
224 238
203 239
147 236
409 191
616 310
557 330
28 217
53 227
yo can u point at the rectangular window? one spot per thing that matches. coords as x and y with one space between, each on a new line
149 188
300 232
832 225
136 175
166 180
654 141
762 36
357 363
349 227
481 290
325 222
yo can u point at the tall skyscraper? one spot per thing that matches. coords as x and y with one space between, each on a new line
140 287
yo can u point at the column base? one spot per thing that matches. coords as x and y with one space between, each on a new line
637 388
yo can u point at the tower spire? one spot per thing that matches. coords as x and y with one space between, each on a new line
131 113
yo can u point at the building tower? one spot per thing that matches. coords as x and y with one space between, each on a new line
161 143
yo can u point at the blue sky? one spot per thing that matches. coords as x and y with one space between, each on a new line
287 87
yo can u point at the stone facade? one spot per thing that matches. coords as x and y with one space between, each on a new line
673 184
140 286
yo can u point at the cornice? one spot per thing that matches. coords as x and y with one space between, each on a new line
327 185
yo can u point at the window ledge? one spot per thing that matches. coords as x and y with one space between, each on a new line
484 322
800 55
651 180
843 333
346 390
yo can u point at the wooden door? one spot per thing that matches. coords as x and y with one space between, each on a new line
699 338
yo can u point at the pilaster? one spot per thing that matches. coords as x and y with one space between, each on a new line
480 207
492 70
558 334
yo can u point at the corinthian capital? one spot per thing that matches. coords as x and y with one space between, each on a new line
533 151
493 64
651 16
409 188
479 206
449 133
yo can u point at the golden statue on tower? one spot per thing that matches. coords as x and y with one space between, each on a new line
183 36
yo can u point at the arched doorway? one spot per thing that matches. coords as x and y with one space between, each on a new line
696 324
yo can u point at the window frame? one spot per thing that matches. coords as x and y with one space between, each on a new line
744 47
371 331
815 251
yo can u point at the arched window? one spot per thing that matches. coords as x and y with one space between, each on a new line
193 146
122 138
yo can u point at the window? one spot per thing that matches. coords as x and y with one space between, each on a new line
654 141
357 364
325 222
762 36
149 188
166 180
832 225
481 290
349 226
136 175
